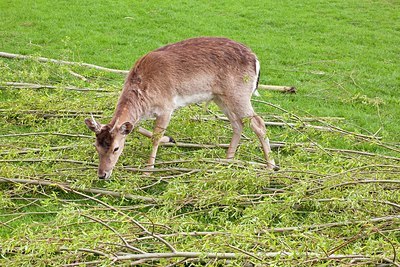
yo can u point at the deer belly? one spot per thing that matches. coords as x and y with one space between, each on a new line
184 100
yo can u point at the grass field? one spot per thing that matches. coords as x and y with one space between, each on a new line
335 201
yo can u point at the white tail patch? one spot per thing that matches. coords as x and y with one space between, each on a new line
255 92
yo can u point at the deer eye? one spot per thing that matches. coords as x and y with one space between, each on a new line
116 149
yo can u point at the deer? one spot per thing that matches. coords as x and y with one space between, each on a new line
195 70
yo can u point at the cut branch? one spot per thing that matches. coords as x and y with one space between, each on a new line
233 256
45 133
68 188
327 225
307 125
16 85
191 145
287 89
355 183
44 59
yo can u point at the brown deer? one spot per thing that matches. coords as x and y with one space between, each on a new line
176 75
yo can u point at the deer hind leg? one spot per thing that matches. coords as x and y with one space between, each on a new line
160 125
237 127
258 126
147 133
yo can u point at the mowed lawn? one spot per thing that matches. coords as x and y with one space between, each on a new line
334 202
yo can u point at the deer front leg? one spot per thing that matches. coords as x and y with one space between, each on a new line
147 133
160 125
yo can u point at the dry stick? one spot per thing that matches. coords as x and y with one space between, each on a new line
15 85
84 263
50 160
327 225
360 168
276 117
394 205
352 239
77 75
362 153
37 150
124 72
115 232
390 242
144 229
354 183
184 234
45 133
94 113
95 165
245 252
376 140
192 145
321 128
67 187
53 114
43 59
226 256
96 252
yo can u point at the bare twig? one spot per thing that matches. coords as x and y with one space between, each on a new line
36 150
16 85
52 114
362 153
192 145
44 59
391 244
233 256
355 183
67 187
316 127
123 72
45 133
144 229
77 75
328 225
127 245
96 252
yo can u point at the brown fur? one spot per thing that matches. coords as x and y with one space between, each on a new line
197 69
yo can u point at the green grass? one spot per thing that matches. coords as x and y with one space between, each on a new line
343 56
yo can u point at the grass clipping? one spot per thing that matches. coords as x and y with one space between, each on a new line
334 201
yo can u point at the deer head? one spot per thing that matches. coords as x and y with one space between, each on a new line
110 141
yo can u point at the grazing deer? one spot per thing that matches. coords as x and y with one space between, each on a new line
176 75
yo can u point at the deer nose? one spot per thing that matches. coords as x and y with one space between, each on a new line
103 176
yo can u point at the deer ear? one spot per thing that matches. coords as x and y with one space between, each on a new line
93 125
126 128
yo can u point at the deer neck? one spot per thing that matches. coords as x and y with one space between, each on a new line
129 109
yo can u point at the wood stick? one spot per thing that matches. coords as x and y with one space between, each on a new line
307 125
67 187
44 59
362 153
16 85
192 145
284 89
77 75
226 255
287 89
45 133
327 225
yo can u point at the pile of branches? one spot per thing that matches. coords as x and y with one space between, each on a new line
136 240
